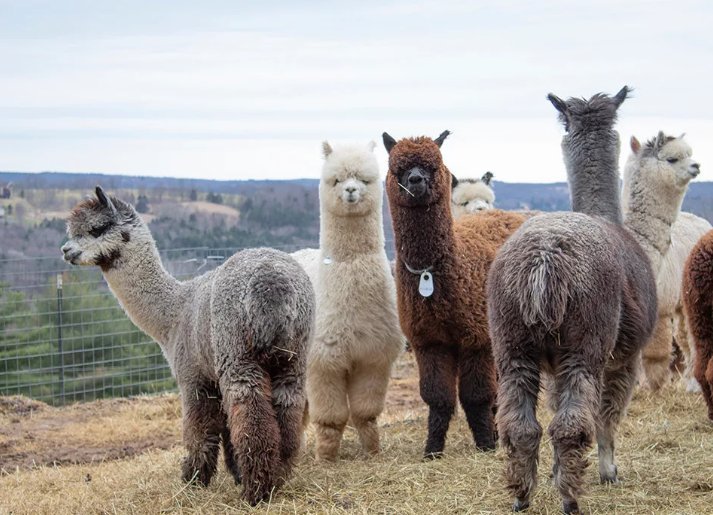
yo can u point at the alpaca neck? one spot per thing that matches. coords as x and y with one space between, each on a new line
649 217
424 236
148 294
593 174
343 237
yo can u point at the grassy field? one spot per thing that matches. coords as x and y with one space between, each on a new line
123 456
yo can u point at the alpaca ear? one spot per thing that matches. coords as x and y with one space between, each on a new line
635 145
621 96
441 138
371 146
103 199
389 142
660 141
486 178
559 104
454 181
683 135
326 149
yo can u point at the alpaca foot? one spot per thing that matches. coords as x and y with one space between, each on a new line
329 439
257 494
430 456
692 386
520 505
368 436
609 477
197 471
570 506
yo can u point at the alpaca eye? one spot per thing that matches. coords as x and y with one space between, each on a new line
98 231
366 182
672 160
463 204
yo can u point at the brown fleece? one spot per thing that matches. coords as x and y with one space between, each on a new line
697 298
448 330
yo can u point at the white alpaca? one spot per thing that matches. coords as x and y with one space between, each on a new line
685 232
357 336
471 195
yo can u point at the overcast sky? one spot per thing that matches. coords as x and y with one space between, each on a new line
237 90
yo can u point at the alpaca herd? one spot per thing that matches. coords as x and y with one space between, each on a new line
497 306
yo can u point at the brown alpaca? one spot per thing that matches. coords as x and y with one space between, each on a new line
447 329
698 304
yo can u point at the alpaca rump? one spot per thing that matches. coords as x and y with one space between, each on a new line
698 305
448 329
357 336
571 295
656 178
235 338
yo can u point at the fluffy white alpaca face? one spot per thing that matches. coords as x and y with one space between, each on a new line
676 164
471 196
99 230
350 184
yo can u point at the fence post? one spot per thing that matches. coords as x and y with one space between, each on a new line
60 350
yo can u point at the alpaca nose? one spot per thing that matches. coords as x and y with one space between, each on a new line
65 248
350 189
696 169
415 178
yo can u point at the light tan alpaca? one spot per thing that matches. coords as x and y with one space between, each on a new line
471 195
357 335
653 209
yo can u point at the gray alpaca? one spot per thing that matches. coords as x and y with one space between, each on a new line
571 294
235 338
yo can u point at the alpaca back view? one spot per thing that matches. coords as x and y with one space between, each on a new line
357 337
571 295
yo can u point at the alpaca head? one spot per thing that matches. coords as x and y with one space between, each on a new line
663 166
472 195
350 184
580 115
100 229
417 176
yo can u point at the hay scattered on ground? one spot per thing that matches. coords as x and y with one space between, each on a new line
665 456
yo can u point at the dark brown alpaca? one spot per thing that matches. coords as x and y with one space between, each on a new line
448 329
571 295
698 304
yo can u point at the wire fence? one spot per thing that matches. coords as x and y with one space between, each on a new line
64 338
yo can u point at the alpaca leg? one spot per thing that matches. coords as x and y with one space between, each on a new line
437 370
203 422
477 389
688 349
618 386
367 391
703 372
254 432
288 401
573 426
519 430
327 394
229 454
657 354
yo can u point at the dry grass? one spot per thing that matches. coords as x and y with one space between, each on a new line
665 456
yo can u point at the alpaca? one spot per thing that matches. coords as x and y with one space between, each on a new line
655 175
472 195
235 338
441 268
698 306
357 336
572 295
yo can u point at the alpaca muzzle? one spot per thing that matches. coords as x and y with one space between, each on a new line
416 182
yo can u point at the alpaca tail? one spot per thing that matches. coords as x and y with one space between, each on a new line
546 289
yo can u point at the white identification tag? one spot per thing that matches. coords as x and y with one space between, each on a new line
327 260
425 285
